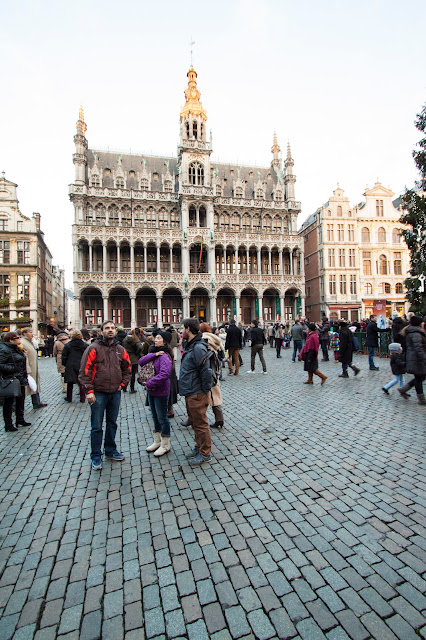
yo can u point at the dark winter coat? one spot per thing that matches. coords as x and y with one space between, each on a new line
397 363
72 354
193 378
120 336
397 326
346 346
133 347
372 339
13 363
104 367
309 352
323 331
233 337
416 350
257 336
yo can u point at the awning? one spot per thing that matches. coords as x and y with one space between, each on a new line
344 306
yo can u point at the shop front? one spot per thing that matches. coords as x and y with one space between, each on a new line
349 312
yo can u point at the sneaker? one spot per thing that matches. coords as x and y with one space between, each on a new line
374 368
199 459
97 464
192 454
115 456
250 371
385 390
265 373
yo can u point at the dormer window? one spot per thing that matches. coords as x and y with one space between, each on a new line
144 184
95 180
196 173
259 194
168 186
238 192
278 195
119 183
218 190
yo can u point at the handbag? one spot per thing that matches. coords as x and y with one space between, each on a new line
146 372
10 388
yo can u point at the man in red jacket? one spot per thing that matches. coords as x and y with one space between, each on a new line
104 372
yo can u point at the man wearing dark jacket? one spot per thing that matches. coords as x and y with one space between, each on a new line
323 331
233 344
104 372
257 341
195 382
372 340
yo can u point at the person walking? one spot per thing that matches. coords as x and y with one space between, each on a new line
271 333
158 390
279 338
32 367
104 372
346 349
61 340
195 382
233 344
415 357
133 346
215 395
323 330
258 339
71 359
13 364
372 340
398 366
297 335
309 355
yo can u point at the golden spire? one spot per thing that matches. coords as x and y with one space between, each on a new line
275 148
80 124
193 105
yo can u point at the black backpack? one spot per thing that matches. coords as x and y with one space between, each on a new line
214 363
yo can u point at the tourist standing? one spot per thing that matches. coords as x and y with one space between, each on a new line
297 335
61 340
195 381
233 345
158 390
13 364
346 349
372 340
279 338
323 330
309 355
258 339
32 367
104 372
71 359
133 346
215 396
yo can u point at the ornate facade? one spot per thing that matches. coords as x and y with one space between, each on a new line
355 257
160 238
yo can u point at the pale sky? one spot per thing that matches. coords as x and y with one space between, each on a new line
341 80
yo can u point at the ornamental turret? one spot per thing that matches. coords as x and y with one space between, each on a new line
79 157
289 178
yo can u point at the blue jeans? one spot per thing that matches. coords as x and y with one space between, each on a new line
297 346
159 409
108 403
398 378
371 356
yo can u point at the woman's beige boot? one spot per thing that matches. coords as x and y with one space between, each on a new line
165 446
157 442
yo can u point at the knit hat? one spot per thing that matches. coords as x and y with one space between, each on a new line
394 347
166 335
311 326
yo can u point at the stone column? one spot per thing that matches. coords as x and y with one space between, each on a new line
270 262
105 301
78 319
90 258
302 263
282 315
213 312
260 298
259 262
210 216
248 260
291 263
236 261
185 215
237 309
185 305
132 259
159 312
197 218
132 312
104 258
171 260
225 266
281 257
158 261
145 259
118 259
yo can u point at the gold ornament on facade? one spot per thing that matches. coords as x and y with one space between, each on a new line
193 105
80 124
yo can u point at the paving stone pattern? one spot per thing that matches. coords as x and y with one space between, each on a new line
310 522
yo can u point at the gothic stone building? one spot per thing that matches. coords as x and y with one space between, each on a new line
156 239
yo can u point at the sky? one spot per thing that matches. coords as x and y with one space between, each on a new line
342 81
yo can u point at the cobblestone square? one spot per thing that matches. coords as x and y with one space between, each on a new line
310 522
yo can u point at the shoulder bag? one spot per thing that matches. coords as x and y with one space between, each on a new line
10 388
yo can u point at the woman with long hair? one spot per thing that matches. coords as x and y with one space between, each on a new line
13 364
158 391
71 358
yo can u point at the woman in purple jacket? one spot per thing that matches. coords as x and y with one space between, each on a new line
158 389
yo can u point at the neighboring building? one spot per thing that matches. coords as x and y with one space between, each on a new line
70 309
355 257
25 267
159 238
59 308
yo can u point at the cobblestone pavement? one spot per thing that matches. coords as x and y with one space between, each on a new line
310 522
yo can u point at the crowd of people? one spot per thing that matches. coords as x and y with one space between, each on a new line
104 363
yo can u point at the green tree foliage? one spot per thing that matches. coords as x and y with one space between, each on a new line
414 215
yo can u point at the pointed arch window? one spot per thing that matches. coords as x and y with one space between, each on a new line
267 223
256 223
174 219
246 222
187 129
144 184
163 218
195 130
196 173
168 186
119 183
192 216
218 190
95 181
277 224
235 222
238 192
216 222
259 194
278 195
